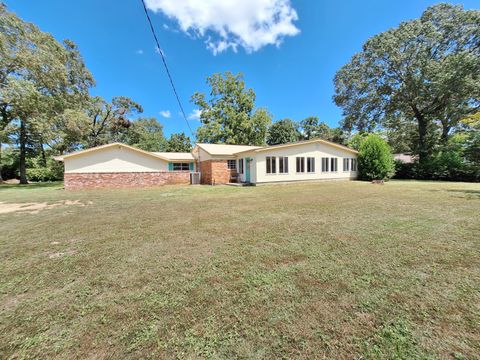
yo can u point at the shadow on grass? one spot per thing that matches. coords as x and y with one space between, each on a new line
469 194
32 186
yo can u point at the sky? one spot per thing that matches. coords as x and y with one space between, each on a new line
288 51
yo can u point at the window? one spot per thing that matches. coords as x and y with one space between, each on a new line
346 163
325 163
181 166
300 164
283 165
271 165
311 164
333 164
232 164
354 164
240 166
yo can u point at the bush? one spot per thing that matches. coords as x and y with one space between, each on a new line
375 160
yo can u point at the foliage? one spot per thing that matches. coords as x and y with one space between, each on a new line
356 139
39 78
375 160
146 134
227 116
424 71
10 160
283 132
109 122
179 142
311 128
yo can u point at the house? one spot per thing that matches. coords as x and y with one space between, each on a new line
120 165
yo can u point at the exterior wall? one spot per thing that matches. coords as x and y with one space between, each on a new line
78 181
215 172
244 156
114 159
316 150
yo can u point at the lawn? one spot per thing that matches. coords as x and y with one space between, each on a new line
324 270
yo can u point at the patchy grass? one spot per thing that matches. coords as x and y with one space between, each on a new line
327 270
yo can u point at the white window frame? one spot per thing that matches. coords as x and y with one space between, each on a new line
283 165
311 160
302 165
325 164
271 162
240 166
231 163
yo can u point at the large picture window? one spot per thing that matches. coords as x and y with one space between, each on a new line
300 164
232 164
240 166
181 166
325 162
271 165
283 165
311 164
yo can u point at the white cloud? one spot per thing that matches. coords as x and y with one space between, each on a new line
229 24
139 52
165 113
195 114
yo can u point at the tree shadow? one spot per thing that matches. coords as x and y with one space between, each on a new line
469 194
32 186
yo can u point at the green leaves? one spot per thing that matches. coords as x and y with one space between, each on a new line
424 71
227 116
375 161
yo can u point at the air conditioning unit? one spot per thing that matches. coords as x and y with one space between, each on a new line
194 178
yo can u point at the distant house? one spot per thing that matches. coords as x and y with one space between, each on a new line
120 165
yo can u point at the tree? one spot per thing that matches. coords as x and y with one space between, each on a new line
311 128
375 160
146 134
179 142
109 122
425 71
227 116
39 78
282 132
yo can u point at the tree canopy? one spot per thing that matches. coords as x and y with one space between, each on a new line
179 142
282 132
227 116
424 71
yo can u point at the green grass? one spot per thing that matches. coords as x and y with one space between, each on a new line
326 270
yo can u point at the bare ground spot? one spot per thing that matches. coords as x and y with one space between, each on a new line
61 253
34 208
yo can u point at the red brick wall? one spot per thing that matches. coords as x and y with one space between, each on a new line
216 172
76 181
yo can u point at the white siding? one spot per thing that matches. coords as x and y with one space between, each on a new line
316 150
114 159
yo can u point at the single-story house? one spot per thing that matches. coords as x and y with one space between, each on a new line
120 165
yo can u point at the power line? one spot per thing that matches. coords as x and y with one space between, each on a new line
166 67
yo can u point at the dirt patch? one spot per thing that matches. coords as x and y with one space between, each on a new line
35 208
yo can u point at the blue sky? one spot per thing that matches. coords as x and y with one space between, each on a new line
293 79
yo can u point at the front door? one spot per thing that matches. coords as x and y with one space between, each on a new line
247 170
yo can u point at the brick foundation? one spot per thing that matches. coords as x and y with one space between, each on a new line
77 181
216 172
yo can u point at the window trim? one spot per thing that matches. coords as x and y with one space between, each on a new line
325 164
240 166
232 161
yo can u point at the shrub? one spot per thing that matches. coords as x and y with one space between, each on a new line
375 160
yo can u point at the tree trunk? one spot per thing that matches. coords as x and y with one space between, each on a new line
445 131
422 135
23 141
44 157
